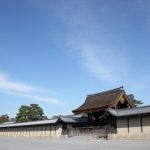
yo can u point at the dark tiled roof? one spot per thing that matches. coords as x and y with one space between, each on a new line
130 111
41 122
73 119
65 119
100 100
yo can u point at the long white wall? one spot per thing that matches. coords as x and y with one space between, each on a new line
51 130
133 128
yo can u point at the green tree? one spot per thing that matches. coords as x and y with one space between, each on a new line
4 118
23 114
134 101
36 112
30 113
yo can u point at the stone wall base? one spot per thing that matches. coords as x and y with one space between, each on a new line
141 136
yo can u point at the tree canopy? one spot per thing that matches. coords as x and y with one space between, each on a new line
4 118
30 113
134 101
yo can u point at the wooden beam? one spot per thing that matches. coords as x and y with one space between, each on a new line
128 125
141 122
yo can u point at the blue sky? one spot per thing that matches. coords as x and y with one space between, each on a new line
55 52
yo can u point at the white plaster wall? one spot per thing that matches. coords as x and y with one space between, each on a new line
47 130
28 131
146 124
58 130
135 130
38 131
52 130
134 125
34 131
42 130
122 127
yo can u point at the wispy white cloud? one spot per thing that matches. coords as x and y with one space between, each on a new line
102 63
19 89
94 63
97 36
90 40
7 84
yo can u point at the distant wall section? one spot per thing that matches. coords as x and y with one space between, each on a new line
49 130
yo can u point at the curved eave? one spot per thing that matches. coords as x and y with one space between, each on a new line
94 109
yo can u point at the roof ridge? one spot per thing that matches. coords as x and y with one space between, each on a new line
105 92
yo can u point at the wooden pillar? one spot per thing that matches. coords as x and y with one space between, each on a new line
33 130
141 123
89 119
55 129
37 130
30 130
26 130
40 130
45 127
6 131
128 125
50 129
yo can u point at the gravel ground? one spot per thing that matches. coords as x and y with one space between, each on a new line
75 143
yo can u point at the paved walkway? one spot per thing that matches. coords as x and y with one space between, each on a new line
76 143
